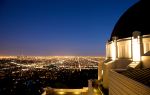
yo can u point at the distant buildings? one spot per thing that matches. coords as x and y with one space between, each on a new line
126 70
28 75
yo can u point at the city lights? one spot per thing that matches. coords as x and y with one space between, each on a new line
33 73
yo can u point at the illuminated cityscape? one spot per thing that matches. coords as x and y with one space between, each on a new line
29 75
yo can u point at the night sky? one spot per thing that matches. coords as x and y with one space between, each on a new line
58 27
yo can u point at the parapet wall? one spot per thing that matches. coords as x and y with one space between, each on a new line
122 85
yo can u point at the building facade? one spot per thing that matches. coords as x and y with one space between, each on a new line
128 52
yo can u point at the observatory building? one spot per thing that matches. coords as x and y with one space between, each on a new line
126 70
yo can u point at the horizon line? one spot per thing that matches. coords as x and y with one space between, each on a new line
51 55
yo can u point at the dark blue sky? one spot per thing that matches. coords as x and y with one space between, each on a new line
58 27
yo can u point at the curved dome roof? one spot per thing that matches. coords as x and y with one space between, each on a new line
136 18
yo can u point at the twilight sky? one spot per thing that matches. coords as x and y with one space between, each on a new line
58 27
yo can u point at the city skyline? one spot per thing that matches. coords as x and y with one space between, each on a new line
69 27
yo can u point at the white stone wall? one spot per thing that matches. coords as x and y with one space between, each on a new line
125 56
146 48
124 49
146 44
108 50
121 85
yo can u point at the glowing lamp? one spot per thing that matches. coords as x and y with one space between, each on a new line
76 93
